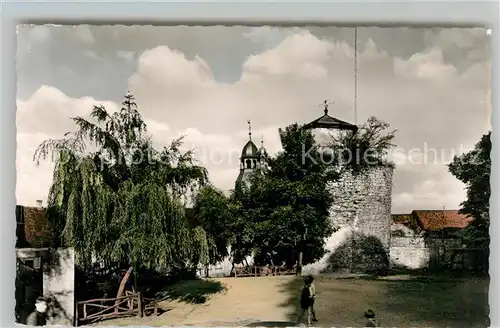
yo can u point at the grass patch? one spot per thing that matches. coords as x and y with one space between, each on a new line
419 302
192 291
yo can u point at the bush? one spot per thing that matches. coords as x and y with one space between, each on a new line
360 254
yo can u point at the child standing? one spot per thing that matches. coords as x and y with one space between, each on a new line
306 301
313 296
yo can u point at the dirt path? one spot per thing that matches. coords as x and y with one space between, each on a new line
245 300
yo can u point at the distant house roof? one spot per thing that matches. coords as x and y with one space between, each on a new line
441 219
33 226
407 220
432 220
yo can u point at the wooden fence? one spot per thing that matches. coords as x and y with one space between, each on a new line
99 309
259 271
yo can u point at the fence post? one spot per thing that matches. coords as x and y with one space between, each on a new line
76 315
139 304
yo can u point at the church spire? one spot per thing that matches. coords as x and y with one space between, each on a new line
249 130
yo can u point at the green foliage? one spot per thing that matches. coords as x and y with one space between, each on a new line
362 254
285 210
473 169
116 199
213 213
242 228
367 147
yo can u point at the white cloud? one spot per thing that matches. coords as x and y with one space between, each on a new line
91 54
427 99
125 55
269 36
301 55
50 111
434 194
425 65
84 34
33 182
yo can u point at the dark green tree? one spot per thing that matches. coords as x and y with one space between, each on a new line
117 199
473 169
242 227
213 214
287 207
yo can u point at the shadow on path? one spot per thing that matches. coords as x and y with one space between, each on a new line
418 302
441 304
191 291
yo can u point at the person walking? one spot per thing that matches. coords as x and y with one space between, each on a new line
39 316
305 302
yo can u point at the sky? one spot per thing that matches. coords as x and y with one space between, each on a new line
432 85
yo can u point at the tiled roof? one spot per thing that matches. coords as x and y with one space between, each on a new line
35 225
432 220
407 220
441 219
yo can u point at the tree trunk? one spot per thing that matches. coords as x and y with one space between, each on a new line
299 264
122 286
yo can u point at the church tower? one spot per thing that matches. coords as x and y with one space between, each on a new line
251 159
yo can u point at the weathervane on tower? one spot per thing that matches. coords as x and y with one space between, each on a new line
325 105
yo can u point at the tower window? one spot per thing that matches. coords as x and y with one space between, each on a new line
249 164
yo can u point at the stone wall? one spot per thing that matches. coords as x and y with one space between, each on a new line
409 252
418 252
363 201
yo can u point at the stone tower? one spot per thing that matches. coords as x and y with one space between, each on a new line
361 208
251 159
363 202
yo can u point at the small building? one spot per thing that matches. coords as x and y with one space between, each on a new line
434 223
430 239
42 270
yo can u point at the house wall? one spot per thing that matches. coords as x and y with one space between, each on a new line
59 285
363 202
409 252
418 252
58 281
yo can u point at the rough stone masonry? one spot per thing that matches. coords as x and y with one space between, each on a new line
366 196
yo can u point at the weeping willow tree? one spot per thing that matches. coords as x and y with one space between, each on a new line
118 200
